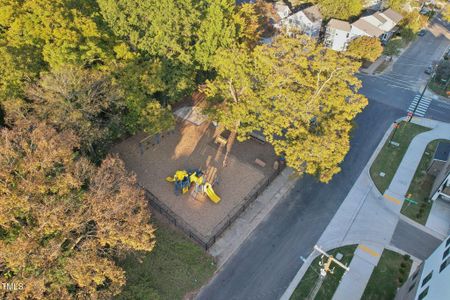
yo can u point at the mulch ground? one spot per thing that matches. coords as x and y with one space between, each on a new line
192 147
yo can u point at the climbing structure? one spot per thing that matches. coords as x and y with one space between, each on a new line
184 178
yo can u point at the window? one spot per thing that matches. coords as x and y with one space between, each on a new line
426 279
411 287
444 264
447 242
415 275
446 252
424 293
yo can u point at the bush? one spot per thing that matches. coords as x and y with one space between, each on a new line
406 257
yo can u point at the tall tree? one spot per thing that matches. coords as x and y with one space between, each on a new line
84 101
62 219
216 31
343 10
364 47
301 95
164 28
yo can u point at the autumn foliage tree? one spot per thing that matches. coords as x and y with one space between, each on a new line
62 219
366 48
300 94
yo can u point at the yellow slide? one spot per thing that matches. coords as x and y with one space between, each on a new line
211 194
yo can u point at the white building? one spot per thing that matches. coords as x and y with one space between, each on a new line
337 35
432 278
307 21
379 24
283 11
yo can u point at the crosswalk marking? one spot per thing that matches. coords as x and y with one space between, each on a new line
421 107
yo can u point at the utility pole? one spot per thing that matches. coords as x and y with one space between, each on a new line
325 269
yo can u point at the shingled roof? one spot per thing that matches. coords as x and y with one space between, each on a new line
338 24
368 28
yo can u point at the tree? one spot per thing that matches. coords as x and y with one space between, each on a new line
84 101
343 10
393 47
446 13
39 35
62 219
163 28
413 22
399 5
364 47
301 95
216 31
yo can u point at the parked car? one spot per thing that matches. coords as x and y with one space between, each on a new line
429 70
422 32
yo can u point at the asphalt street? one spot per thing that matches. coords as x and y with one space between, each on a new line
266 262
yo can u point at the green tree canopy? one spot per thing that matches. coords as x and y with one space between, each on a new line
164 28
301 95
343 9
364 47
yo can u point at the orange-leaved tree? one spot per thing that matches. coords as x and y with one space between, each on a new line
62 219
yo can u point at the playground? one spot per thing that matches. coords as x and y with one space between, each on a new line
199 172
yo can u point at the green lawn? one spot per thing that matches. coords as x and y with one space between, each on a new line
175 267
390 273
390 156
439 88
420 188
331 282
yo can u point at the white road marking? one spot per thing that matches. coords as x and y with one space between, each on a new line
419 107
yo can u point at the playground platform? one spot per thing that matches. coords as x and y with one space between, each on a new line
248 169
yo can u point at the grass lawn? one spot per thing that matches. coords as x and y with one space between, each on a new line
439 88
390 273
390 156
420 188
175 267
331 282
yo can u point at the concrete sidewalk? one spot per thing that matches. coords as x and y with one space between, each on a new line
243 226
368 218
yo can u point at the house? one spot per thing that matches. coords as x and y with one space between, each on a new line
337 35
440 157
379 24
363 28
283 11
307 21
386 21
432 277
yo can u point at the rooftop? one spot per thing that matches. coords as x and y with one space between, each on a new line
368 28
313 13
338 24
442 151
393 15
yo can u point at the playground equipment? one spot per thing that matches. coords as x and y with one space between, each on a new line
184 178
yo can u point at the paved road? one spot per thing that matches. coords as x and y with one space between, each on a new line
267 261
414 241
